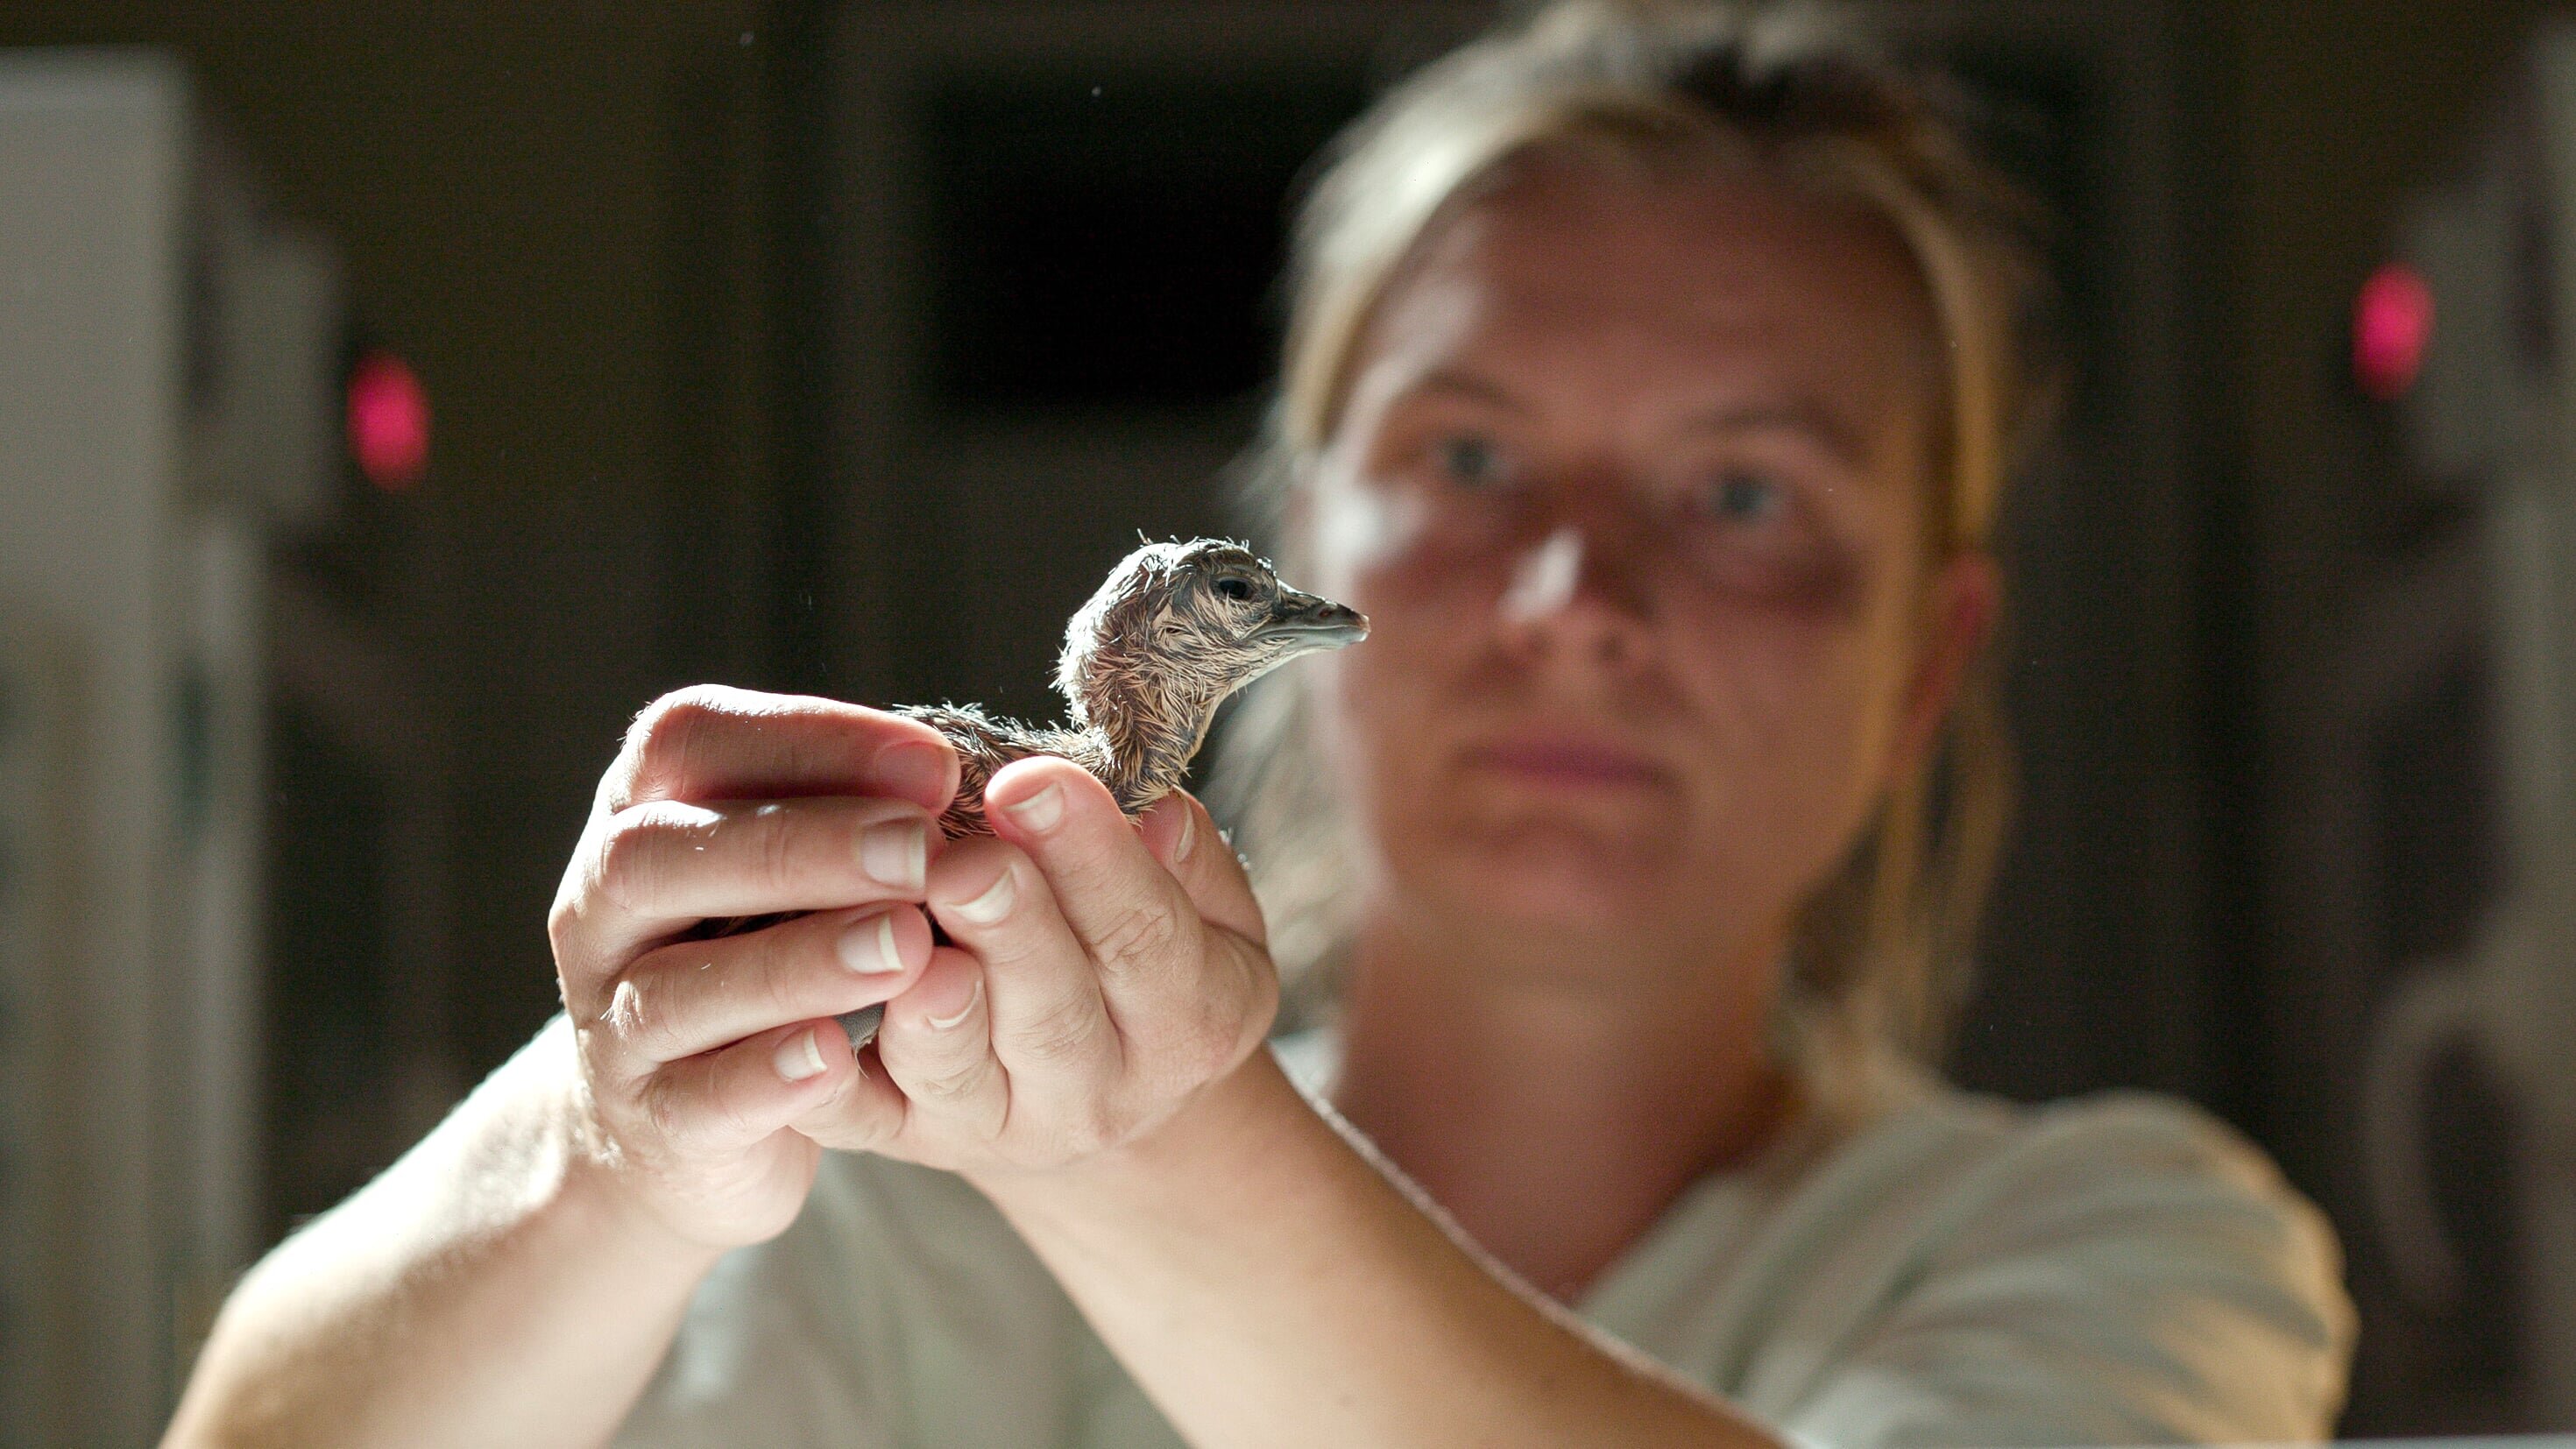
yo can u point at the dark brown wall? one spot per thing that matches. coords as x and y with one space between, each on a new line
2341 112
2343 107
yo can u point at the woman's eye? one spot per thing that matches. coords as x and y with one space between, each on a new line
1473 461
1743 498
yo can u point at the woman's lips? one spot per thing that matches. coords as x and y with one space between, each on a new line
1571 764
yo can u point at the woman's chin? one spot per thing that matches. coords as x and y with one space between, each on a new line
1548 876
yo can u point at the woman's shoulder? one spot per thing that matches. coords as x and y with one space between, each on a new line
2151 1161
2123 1258
2116 1126
1946 1177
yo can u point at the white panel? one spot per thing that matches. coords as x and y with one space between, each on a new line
211 1013
266 428
92 178
142 452
38 722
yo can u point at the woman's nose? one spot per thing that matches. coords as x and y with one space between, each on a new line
1577 589
1594 537
1544 578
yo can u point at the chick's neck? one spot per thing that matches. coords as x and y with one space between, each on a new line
1151 713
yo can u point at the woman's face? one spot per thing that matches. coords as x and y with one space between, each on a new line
1631 481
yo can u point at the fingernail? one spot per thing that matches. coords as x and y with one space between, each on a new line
949 1023
994 903
895 853
798 1057
1189 834
912 769
1040 811
867 946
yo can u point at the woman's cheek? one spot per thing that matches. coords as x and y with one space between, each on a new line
1387 689
1375 550
1435 598
1390 546
1393 709
1360 527
1788 705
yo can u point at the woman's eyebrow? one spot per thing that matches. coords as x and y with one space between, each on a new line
1826 427
1468 385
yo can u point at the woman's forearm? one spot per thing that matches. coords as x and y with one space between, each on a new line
1268 1285
482 1292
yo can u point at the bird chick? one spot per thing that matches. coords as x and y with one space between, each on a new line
1175 629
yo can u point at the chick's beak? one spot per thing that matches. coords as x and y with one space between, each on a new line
1312 622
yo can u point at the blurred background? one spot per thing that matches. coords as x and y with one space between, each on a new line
394 399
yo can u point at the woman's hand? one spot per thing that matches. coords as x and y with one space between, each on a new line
710 1066
1103 973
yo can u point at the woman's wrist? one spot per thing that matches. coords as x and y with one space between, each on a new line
1220 1141
590 1194
521 1170
593 1203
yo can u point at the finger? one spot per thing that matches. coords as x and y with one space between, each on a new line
726 1101
868 1112
709 742
661 867
1179 832
1125 908
937 1047
694 996
1186 993
1238 997
1048 1020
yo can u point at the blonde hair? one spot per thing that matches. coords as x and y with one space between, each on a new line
1881 958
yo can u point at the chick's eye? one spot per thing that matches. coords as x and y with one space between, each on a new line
1741 497
1472 460
1237 589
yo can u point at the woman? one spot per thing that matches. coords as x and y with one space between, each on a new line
1651 381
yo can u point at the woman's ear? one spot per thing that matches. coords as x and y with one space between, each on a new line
1961 602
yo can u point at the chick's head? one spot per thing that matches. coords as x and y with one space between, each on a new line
1186 624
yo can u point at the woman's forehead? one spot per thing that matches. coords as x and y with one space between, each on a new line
1732 272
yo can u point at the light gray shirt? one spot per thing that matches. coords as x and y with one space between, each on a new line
1935 1269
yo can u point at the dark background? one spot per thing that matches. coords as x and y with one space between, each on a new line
777 344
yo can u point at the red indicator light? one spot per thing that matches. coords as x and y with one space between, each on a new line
388 421
2392 323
